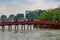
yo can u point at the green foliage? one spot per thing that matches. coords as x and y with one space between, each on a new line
50 15
18 17
33 15
30 16
11 17
4 18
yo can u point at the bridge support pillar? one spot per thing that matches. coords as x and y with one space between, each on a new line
54 27
36 27
21 27
3 28
10 28
30 27
27 27
49 26
59 27
16 28
24 27
42 26
33 27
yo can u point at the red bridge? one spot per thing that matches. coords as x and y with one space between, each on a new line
23 23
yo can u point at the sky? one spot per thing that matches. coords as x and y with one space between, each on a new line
8 7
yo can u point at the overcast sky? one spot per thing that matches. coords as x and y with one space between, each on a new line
8 7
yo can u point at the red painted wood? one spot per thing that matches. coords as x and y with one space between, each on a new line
28 22
33 22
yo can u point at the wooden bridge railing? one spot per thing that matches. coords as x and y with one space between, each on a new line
49 23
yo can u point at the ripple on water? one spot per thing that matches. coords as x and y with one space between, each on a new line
30 35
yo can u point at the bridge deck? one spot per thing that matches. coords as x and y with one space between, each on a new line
30 22
23 23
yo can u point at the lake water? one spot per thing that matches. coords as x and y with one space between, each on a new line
30 35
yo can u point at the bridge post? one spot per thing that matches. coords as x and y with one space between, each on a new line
16 28
10 28
36 26
54 27
3 28
24 26
27 27
42 26
33 27
30 27
59 27
49 26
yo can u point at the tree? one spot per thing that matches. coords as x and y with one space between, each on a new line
50 15
33 15
19 17
30 15
11 17
4 18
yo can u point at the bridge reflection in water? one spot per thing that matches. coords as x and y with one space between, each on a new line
29 25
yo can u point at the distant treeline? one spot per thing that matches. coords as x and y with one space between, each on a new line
44 15
38 15
29 15
12 17
50 15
